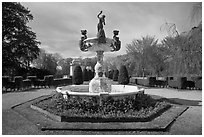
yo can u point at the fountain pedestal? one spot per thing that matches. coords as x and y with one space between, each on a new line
99 83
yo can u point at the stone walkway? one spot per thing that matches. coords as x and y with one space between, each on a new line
190 122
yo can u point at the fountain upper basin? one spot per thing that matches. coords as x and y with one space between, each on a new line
95 46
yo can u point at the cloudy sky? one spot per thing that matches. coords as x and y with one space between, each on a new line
58 25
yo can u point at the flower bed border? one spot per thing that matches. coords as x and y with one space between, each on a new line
97 119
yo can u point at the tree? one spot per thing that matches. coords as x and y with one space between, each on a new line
66 66
19 44
115 75
144 56
110 74
45 61
85 74
123 77
184 52
78 75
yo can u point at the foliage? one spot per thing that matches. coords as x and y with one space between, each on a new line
78 75
90 74
110 74
184 53
178 55
137 106
19 44
144 56
89 62
123 77
85 75
115 75
45 61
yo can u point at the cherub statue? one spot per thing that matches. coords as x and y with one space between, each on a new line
81 42
117 43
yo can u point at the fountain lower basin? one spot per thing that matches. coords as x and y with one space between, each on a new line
116 90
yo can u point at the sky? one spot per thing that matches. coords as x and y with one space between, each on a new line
58 24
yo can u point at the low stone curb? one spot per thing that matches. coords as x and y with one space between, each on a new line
44 122
99 120
158 124
46 96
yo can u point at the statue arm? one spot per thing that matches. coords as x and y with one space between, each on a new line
99 14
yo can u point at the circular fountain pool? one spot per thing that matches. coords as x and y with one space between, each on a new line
116 90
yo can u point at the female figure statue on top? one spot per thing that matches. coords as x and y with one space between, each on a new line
101 21
101 33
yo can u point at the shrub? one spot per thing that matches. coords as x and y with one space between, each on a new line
85 74
78 75
134 106
123 77
110 74
115 75
90 74
106 73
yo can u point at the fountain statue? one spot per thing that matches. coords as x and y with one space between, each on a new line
99 44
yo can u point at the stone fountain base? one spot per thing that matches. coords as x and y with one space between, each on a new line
99 84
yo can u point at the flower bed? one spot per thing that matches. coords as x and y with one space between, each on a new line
139 107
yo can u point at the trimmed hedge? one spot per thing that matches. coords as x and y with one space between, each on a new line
133 80
198 84
147 81
78 75
115 75
177 82
62 82
123 77
86 75
110 74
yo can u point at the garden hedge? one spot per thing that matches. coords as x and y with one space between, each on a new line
78 75
115 75
123 77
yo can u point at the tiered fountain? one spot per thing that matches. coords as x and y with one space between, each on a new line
100 44
100 85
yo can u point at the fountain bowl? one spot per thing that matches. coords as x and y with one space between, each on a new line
116 91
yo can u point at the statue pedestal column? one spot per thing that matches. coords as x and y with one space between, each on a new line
99 83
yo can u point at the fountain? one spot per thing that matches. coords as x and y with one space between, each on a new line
100 85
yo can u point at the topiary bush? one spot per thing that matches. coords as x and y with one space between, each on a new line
110 74
90 74
115 75
123 77
106 73
78 75
85 75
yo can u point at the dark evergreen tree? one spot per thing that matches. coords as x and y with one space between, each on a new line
85 74
19 44
78 75
90 74
110 74
106 74
123 77
115 75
